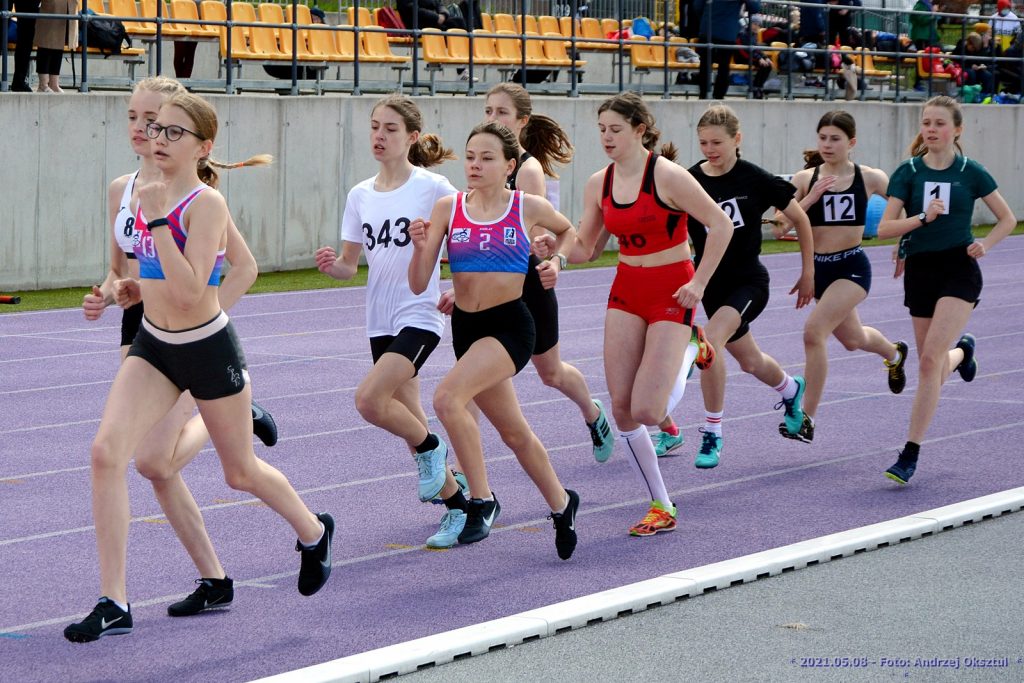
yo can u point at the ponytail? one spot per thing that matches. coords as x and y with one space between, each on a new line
429 151
208 175
547 142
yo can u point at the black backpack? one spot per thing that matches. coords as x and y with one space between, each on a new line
107 35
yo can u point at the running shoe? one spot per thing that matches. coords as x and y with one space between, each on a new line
463 483
794 417
565 526
480 517
601 435
452 524
665 443
710 451
804 434
263 425
705 351
432 466
106 619
316 561
968 367
658 518
902 471
211 594
897 376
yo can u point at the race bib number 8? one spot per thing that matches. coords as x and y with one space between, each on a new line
938 191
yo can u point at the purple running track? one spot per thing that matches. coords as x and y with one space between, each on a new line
307 352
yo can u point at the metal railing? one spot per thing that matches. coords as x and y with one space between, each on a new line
1010 69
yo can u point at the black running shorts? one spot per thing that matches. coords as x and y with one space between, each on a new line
131 319
851 264
748 297
510 324
931 275
410 342
543 306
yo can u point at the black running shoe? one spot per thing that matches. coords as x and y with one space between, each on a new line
804 434
968 367
480 517
316 561
897 376
263 425
106 619
902 470
565 526
211 594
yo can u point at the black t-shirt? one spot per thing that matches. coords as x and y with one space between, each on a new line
744 193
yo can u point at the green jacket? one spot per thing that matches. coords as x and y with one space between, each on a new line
924 27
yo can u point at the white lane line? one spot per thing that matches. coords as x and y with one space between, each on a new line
477 639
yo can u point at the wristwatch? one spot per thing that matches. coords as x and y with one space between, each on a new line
562 261
923 217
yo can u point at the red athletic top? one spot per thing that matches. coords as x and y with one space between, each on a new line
646 226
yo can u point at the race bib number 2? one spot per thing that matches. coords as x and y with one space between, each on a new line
732 210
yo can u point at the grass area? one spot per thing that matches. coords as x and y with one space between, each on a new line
310 278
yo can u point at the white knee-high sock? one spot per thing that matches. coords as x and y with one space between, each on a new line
679 388
640 453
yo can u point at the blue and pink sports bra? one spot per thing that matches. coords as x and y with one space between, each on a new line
501 246
145 249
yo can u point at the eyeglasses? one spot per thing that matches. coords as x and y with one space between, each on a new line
172 133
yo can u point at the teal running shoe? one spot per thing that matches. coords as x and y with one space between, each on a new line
463 483
452 524
794 417
665 443
432 465
710 451
601 435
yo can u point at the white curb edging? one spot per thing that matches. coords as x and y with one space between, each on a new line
441 648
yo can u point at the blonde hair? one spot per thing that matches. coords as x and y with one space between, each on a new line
724 117
917 147
429 149
162 85
204 118
542 137
630 106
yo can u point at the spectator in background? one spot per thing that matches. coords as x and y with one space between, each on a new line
977 61
758 61
431 14
689 19
719 25
841 19
23 48
812 25
923 29
51 37
1004 21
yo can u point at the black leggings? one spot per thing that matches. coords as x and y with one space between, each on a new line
48 61
722 57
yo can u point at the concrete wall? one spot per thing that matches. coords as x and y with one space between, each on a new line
60 153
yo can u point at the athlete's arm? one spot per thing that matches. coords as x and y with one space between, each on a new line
243 268
101 296
684 192
892 225
804 287
1005 223
539 213
427 237
339 267
530 178
592 223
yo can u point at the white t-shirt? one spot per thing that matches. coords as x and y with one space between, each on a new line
1004 26
380 222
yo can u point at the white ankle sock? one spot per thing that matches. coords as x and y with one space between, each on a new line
315 543
713 423
788 387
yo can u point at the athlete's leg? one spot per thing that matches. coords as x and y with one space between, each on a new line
937 359
841 297
484 365
376 399
501 407
855 336
558 374
165 451
139 397
722 326
229 420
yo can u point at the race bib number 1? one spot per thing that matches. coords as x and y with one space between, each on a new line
938 191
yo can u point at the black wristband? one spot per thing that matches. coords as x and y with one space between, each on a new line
158 223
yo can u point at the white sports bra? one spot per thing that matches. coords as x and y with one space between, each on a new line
124 222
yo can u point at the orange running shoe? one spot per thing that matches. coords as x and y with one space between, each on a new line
705 351
658 518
